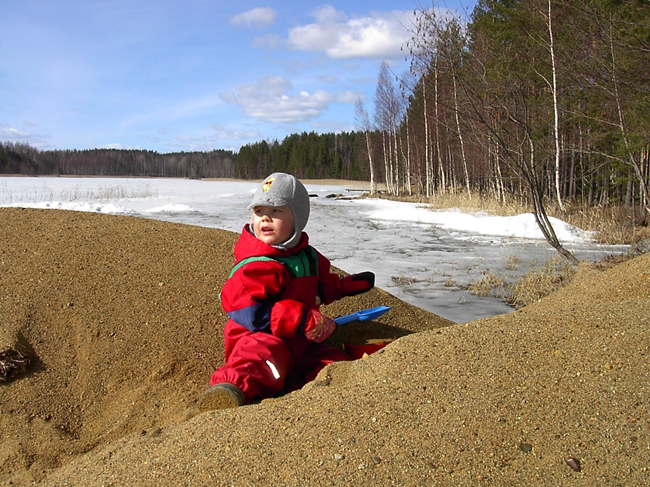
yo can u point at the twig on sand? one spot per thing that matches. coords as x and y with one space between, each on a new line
12 364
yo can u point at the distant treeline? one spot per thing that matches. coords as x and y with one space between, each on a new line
17 158
307 155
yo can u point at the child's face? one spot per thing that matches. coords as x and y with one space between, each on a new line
273 225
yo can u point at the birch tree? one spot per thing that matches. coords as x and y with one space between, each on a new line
363 123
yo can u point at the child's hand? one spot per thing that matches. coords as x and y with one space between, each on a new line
357 283
318 327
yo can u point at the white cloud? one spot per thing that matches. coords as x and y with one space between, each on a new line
333 126
269 41
329 79
154 110
216 135
225 133
116 146
257 17
328 14
10 133
378 36
270 99
366 38
348 97
314 37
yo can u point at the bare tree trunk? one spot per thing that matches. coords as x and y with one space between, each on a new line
396 160
427 149
572 176
623 128
462 144
407 157
373 183
645 173
451 177
441 168
387 112
539 211
556 116
499 177
386 166
363 121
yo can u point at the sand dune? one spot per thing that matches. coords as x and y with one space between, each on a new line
121 318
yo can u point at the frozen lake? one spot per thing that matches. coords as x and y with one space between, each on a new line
424 257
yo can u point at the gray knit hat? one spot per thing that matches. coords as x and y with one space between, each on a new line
280 189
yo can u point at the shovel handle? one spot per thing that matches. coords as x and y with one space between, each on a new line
365 315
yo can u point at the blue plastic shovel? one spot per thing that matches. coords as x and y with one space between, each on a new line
365 315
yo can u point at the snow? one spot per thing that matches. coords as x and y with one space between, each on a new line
172 208
520 226
423 256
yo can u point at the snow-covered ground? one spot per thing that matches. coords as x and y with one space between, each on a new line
425 257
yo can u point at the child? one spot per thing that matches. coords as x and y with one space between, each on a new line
274 337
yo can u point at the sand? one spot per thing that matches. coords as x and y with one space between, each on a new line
120 316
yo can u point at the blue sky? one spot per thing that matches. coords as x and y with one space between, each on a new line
169 75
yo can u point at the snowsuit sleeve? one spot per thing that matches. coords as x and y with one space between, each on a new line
249 294
303 294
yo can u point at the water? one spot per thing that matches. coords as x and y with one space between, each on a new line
425 264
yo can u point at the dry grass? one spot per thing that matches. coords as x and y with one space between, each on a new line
450 283
531 287
513 263
487 203
488 285
612 225
540 282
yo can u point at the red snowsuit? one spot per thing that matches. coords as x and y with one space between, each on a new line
266 349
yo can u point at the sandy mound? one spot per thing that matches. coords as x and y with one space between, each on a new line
123 318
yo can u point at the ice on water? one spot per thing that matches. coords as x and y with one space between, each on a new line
422 256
